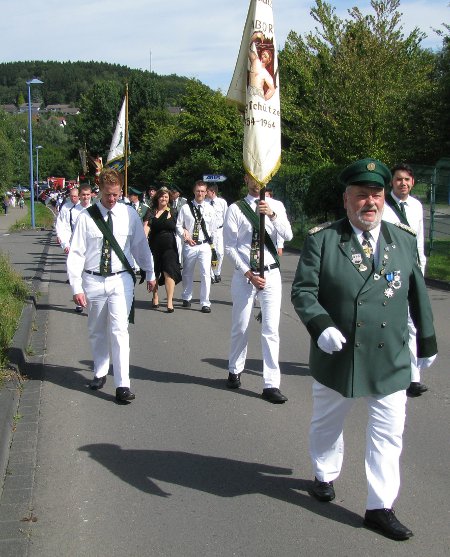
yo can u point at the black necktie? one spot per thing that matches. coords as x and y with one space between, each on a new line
105 258
402 208
71 217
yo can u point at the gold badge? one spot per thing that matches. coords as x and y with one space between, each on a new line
371 166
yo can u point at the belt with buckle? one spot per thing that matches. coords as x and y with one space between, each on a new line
266 267
97 274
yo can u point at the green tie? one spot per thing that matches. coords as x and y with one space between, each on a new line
105 258
367 246
402 208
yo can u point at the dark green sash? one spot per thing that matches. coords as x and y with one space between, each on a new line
96 215
254 221
394 206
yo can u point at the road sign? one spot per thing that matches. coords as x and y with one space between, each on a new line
214 178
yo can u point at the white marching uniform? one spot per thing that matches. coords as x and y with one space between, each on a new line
237 234
414 216
65 222
220 207
107 312
200 253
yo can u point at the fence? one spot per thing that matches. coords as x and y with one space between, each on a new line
432 187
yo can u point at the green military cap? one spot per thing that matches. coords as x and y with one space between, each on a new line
134 190
366 172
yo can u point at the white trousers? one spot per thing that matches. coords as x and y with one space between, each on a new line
243 295
200 254
109 303
220 252
383 441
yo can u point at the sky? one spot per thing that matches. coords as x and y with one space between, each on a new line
193 38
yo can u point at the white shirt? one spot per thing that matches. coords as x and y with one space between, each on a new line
63 226
87 242
414 216
186 220
220 207
238 232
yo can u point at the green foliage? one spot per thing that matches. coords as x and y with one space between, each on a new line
13 292
348 88
324 197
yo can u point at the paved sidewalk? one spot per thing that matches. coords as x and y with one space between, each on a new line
27 252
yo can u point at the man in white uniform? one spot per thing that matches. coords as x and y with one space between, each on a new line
241 242
100 281
68 216
220 207
196 246
401 207
65 221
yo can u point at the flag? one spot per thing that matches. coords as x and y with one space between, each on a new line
255 90
116 155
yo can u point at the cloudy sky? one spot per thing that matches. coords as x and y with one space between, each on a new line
193 38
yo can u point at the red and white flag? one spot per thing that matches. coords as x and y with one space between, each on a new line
255 89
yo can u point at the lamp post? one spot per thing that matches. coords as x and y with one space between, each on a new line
37 164
29 84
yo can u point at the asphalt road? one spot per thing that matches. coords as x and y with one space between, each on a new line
191 468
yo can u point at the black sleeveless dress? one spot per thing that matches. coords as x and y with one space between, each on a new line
162 242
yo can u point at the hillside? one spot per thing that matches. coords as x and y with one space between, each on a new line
65 82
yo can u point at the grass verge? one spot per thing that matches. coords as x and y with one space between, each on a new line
13 293
43 218
438 262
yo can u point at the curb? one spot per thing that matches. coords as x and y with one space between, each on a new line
9 403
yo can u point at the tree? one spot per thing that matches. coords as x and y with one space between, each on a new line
348 87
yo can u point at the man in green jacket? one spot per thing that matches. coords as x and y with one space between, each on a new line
354 282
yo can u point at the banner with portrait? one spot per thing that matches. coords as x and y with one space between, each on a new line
255 90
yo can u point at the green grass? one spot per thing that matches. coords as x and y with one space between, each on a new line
438 263
43 218
13 293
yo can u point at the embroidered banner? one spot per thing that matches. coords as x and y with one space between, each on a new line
255 90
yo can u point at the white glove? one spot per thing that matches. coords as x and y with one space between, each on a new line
331 340
424 363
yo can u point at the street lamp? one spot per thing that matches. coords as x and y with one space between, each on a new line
37 164
29 84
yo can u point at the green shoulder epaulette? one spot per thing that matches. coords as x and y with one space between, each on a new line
406 228
319 228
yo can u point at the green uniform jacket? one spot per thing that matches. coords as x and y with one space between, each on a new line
332 289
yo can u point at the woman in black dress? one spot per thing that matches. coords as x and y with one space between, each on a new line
160 227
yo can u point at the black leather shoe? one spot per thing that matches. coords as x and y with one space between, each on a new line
234 380
385 522
170 310
416 389
123 394
97 383
274 396
186 304
218 278
206 309
323 491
